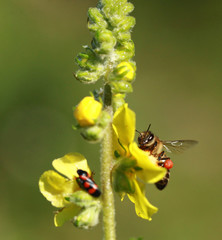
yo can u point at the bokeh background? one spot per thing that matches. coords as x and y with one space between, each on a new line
178 89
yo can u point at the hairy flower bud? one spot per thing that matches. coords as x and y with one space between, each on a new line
88 60
93 134
87 77
82 199
88 217
127 23
90 209
125 50
118 100
104 119
104 41
87 111
96 19
121 87
125 71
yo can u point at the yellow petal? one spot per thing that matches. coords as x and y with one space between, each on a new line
66 214
124 125
87 111
143 207
70 163
54 188
122 149
127 68
150 172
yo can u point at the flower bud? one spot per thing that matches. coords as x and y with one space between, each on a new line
124 71
81 59
118 100
128 8
93 134
116 11
122 36
104 119
126 23
87 77
96 20
104 41
125 51
87 111
121 87
88 217
83 199
88 60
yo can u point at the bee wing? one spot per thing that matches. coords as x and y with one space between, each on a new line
178 146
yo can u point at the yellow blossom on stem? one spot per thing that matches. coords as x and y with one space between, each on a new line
87 111
140 164
58 189
127 69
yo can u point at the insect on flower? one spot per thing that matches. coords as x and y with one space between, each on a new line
149 142
86 182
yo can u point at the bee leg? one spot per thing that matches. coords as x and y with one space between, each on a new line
160 155
166 158
161 159
161 163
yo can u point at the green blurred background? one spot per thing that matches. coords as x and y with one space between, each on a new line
178 89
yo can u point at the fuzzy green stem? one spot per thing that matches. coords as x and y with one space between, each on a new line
107 192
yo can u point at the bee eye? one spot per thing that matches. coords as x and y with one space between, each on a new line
150 138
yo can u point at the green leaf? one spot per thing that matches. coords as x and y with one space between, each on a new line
122 183
126 164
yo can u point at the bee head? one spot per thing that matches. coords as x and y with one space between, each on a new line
146 138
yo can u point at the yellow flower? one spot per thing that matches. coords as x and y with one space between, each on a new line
87 111
126 69
139 165
58 188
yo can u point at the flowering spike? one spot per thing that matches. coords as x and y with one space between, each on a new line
105 116
111 27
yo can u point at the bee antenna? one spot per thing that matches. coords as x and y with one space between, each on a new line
138 132
148 127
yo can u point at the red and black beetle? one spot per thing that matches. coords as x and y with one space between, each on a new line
86 182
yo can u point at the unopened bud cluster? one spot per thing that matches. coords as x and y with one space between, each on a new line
90 208
92 120
121 79
109 56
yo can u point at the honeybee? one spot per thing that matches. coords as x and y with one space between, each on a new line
149 142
